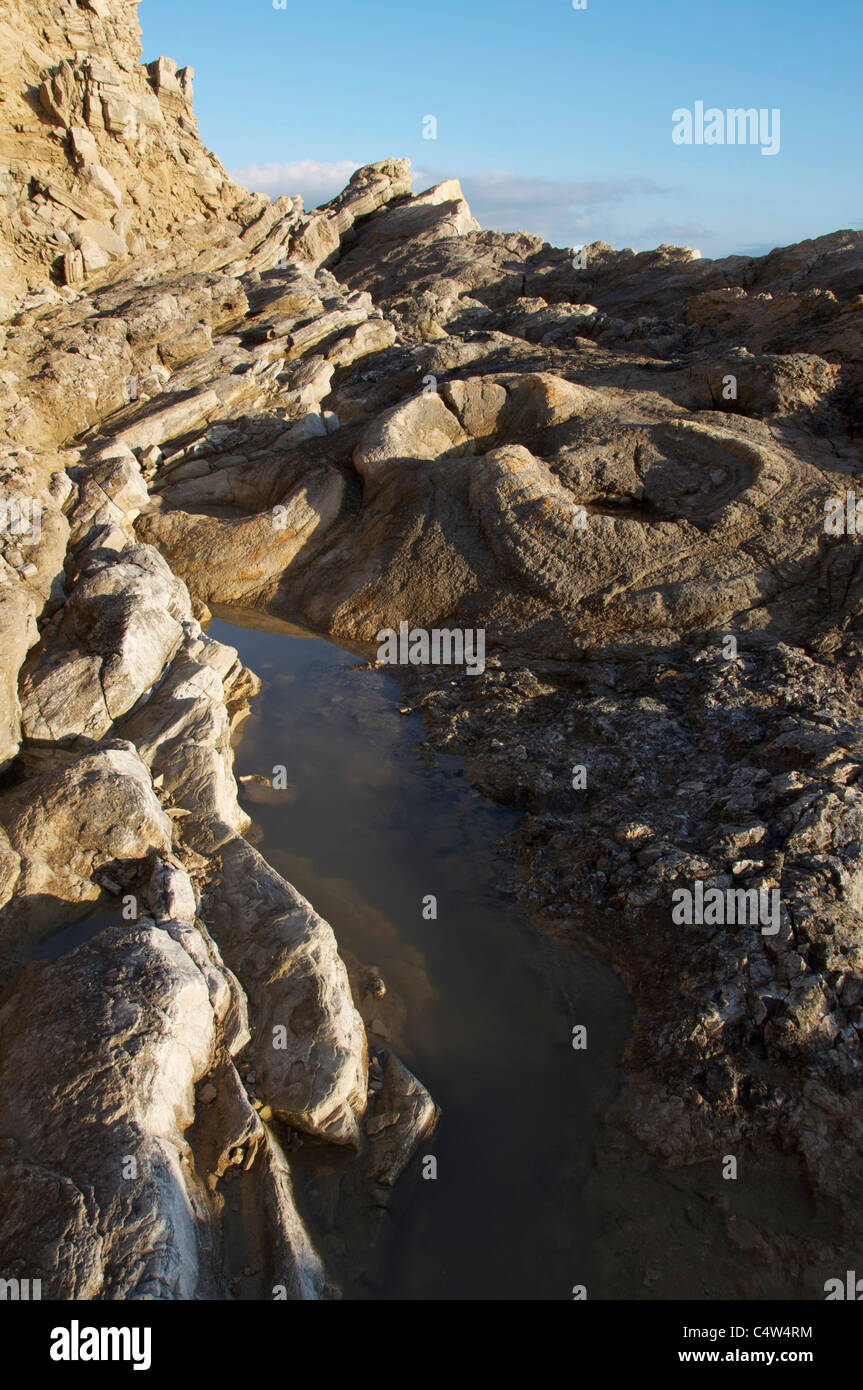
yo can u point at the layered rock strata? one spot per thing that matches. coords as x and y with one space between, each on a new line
375 413
212 1015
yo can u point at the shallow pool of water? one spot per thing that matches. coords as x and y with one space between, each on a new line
67 939
370 826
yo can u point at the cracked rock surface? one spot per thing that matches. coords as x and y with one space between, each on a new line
371 413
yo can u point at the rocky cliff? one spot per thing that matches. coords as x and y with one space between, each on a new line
100 156
374 413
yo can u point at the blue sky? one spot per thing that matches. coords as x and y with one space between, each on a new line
556 120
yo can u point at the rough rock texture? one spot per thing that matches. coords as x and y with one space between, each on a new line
375 413
96 814
100 162
610 472
309 1053
139 285
102 153
121 1204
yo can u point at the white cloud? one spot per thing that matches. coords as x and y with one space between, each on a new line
502 189
316 181
558 209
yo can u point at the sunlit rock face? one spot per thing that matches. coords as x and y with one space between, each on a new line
371 415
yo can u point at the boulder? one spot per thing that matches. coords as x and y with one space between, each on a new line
96 813
104 1195
421 428
308 1050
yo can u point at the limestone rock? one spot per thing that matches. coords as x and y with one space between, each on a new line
404 1114
102 1195
309 1048
18 632
372 413
422 428
97 813
126 605
183 734
319 235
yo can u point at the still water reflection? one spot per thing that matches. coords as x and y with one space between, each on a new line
479 1005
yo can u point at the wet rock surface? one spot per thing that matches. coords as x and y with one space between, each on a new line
371 414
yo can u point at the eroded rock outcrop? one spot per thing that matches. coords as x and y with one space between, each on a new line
374 413
120 1204
118 717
